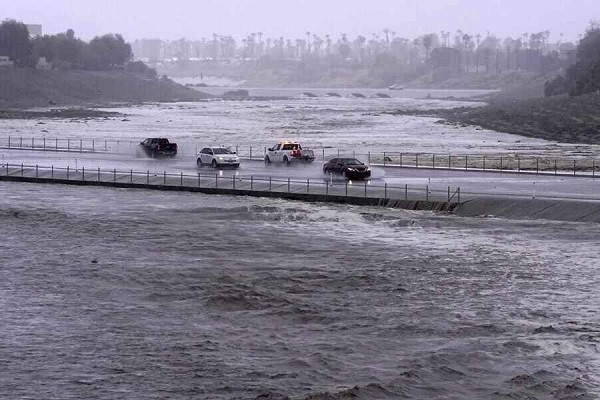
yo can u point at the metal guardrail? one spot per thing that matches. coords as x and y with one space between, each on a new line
589 167
327 187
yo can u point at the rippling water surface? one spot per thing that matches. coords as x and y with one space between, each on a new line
121 294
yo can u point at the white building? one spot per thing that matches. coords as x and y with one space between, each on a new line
5 62
35 30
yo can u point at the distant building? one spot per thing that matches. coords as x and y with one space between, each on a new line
148 49
5 62
35 30
43 64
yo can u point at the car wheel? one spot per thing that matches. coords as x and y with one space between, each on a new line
199 163
267 160
214 164
286 160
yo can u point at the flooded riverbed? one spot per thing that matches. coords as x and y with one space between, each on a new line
114 294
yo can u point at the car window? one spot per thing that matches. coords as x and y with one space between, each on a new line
163 141
277 147
351 161
221 151
204 151
334 161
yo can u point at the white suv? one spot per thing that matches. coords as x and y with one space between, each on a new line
217 157
288 152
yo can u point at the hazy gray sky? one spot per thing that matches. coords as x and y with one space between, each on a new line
194 19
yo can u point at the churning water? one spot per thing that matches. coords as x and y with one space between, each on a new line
125 294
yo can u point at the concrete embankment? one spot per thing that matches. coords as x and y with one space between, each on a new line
415 205
556 210
510 208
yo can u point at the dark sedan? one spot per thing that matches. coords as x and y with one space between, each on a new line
349 168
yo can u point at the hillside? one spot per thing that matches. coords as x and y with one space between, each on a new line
24 88
560 118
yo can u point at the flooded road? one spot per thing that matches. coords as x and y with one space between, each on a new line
109 293
121 294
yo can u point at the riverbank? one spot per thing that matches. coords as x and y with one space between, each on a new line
22 88
561 118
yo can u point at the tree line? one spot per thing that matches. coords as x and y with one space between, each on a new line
584 76
65 50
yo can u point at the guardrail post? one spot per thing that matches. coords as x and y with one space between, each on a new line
20 142
93 146
56 144
181 179
114 175
466 162
147 177
216 181
44 144
368 157
270 184
288 185
233 181
68 144
574 166
165 178
365 189
427 193
98 174
105 145
449 161
81 145
327 187
417 160
67 172
406 191
500 163
346 188
555 167
308 186
83 173
433 166
252 182
32 142
484 163
448 194
537 165
401 160
459 194
36 170
199 179
9 142
21 169
130 176
52 171
593 168
323 150
518 164
385 190
251 152
384 157
338 153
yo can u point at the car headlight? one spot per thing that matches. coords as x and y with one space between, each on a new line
352 169
220 158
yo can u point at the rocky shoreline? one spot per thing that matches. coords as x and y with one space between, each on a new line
561 119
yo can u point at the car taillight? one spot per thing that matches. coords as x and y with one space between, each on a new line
158 147
175 146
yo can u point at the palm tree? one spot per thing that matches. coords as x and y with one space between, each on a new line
387 36
427 42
